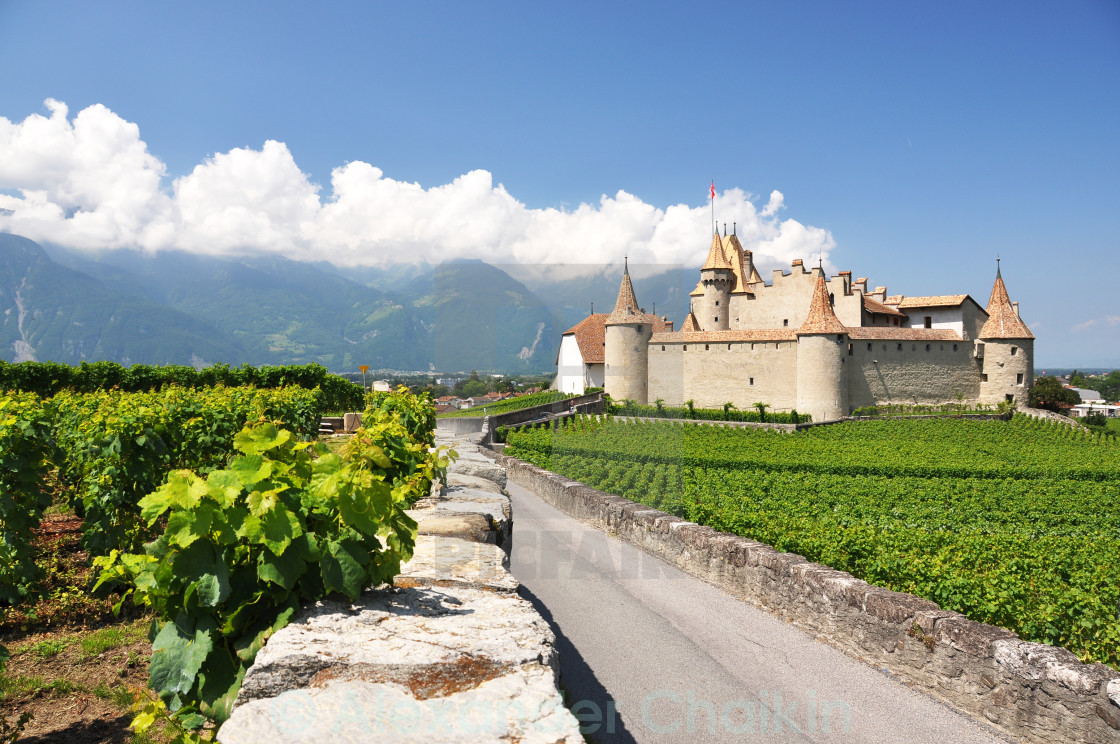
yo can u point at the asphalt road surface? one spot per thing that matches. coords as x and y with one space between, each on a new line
650 654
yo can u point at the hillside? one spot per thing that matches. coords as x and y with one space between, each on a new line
478 317
50 312
174 307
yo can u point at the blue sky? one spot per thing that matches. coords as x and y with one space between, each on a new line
910 142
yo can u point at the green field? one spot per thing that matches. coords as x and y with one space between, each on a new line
1011 523
510 404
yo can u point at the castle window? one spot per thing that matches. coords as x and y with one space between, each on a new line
1013 350
717 303
869 347
929 321
983 378
752 381
707 347
729 347
850 349
954 347
686 347
979 351
717 318
913 347
785 321
896 321
927 347
1019 379
839 337
663 348
900 347
831 298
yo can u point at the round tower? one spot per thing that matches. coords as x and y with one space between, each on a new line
626 347
822 341
1004 351
716 279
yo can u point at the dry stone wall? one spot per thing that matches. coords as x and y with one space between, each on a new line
449 653
1031 691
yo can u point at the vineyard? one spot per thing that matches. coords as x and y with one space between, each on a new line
211 508
1014 523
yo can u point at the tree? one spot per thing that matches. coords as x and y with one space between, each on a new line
1049 394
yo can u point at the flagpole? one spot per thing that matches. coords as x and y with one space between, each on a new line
713 195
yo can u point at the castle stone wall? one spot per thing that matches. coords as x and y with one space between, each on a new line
787 299
715 373
912 374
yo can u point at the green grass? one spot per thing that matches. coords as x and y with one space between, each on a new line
46 649
20 685
110 638
118 695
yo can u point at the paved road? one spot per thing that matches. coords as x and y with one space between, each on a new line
653 655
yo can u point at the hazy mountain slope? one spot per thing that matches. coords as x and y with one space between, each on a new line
270 310
478 317
51 312
571 298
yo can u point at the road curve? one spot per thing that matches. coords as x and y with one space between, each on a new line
650 654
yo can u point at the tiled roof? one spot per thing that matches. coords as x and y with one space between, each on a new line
893 299
1003 321
821 318
872 305
733 249
591 334
935 301
716 258
763 334
755 278
690 324
892 333
699 291
626 308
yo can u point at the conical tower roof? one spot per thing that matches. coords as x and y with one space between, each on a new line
690 325
1003 321
734 252
821 317
699 291
716 257
626 308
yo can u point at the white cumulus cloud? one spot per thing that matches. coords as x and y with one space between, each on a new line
88 182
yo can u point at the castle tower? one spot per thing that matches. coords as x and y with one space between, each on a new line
716 278
1005 350
822 379
626 351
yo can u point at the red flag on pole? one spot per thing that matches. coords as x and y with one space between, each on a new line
713 189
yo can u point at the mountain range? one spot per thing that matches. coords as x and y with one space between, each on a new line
181 308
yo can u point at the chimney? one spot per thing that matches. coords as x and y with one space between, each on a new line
1016 306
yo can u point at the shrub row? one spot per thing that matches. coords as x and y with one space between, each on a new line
46 379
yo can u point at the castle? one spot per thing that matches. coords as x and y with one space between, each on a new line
803 342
